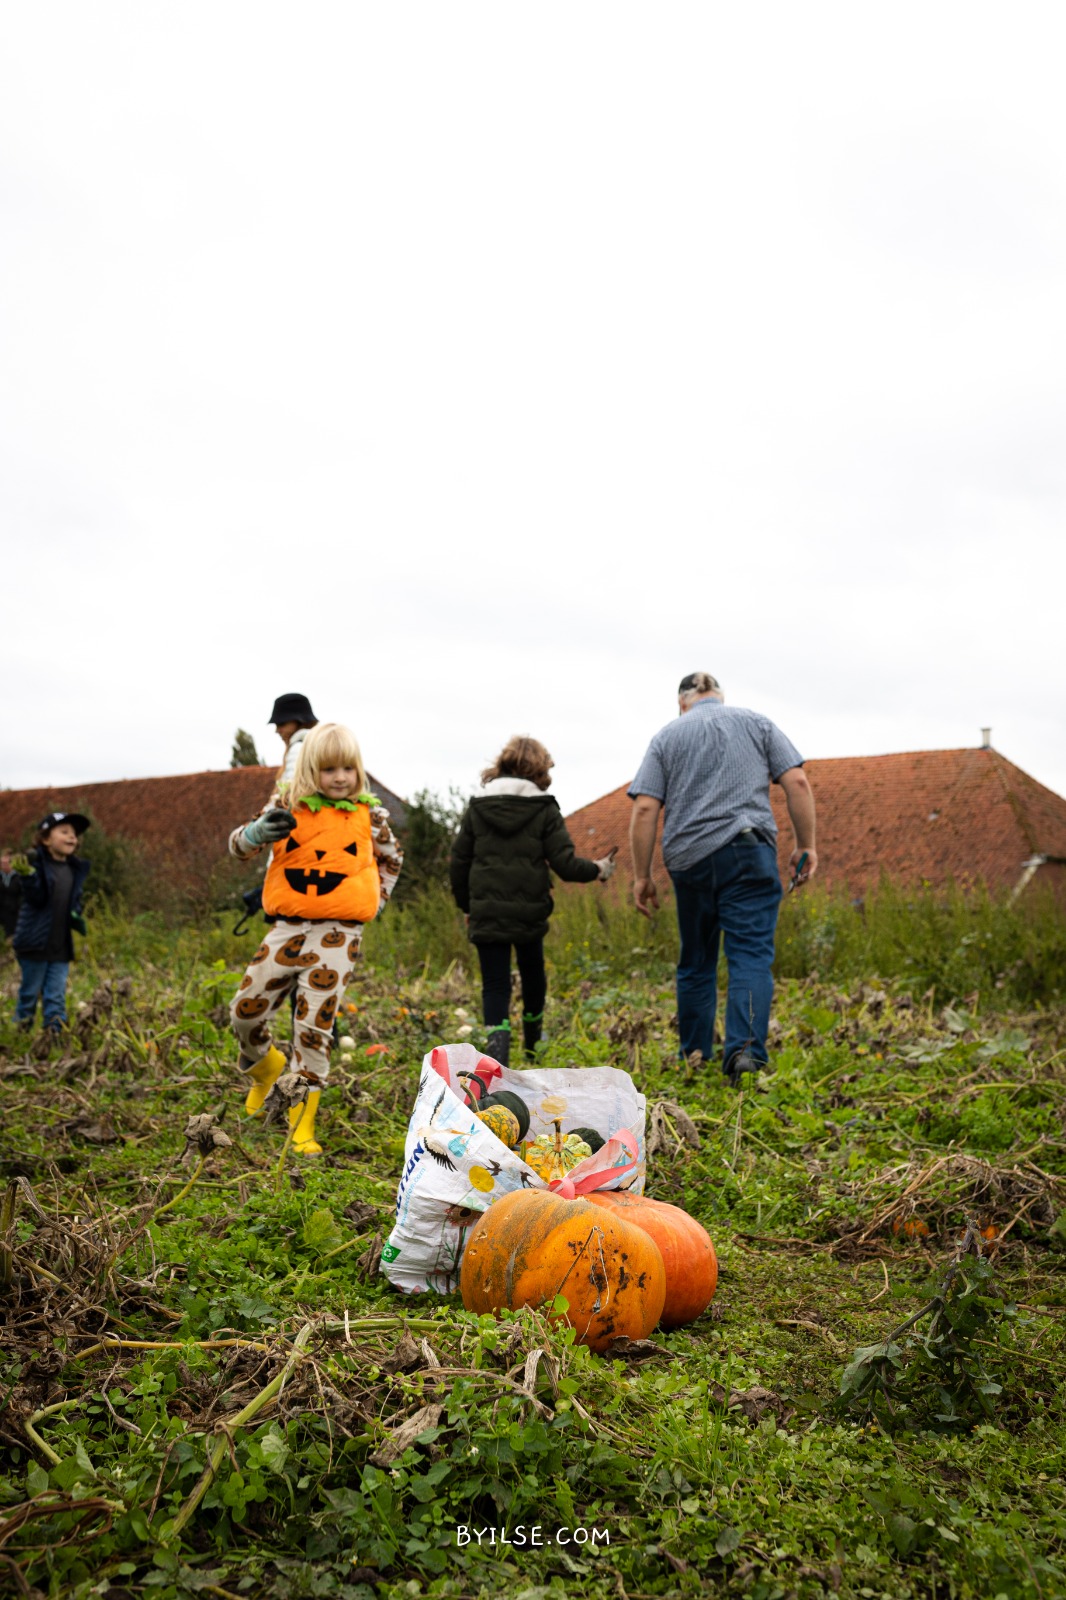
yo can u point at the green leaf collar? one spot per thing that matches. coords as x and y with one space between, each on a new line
315 802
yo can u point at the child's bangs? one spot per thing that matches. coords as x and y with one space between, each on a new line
337 747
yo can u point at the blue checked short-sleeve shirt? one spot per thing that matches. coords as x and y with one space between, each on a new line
712 769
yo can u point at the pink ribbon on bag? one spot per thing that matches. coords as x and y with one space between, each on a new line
438 1060
486 1069
594 1171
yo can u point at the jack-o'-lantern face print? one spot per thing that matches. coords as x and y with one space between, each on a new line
302 1007
259 1036
260 955
245 983
333 939
292 953
353 949
309 1040
251 1006
323 978
312 880
278 983
326 1012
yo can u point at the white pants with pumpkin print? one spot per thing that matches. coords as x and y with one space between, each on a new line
314 958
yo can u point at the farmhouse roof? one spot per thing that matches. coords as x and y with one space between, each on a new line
182 823
925 817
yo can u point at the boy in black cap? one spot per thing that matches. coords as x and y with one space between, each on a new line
52 885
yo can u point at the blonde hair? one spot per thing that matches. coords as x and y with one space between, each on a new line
521 757
327 745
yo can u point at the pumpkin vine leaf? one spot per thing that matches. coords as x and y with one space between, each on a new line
932 1371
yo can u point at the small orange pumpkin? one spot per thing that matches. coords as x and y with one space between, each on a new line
322 978
686 1248
531 1246
252 1006
293 954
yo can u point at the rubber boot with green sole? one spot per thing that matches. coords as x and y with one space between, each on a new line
498 1044
264 1076
302 1120
532 1029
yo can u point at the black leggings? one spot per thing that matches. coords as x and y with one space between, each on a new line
496 983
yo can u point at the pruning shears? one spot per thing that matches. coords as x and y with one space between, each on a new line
798 874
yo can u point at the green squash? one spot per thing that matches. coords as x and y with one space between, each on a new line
552 1156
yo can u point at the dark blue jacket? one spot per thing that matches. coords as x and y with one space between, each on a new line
10 901
34 926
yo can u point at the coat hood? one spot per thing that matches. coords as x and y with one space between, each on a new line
507 810
519 787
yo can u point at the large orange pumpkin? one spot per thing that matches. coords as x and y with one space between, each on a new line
531 1246
686 1248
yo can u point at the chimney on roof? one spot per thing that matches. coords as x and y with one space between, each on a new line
986 738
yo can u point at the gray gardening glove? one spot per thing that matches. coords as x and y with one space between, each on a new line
606 866
271 826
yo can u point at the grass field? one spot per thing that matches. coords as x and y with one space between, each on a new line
204 1381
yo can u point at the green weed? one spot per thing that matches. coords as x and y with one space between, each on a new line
164 1432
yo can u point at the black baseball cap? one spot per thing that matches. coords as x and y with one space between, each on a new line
292 708
79 823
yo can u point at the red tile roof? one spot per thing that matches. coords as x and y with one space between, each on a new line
929 816
182 824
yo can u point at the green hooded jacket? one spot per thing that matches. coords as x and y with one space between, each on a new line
509 838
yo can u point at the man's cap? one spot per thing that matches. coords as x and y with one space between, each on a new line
691 681
292 708
75 819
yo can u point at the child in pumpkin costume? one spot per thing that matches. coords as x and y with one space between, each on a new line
334 863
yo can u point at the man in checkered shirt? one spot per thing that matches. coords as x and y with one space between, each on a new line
710 774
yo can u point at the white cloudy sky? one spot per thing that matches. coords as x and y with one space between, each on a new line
483 368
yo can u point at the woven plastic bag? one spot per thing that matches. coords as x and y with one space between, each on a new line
455 1167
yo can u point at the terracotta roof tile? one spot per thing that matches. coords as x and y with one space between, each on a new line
928 816
182 823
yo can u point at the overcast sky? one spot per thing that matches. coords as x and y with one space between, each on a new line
478 369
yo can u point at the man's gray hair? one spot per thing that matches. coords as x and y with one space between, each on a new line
695 683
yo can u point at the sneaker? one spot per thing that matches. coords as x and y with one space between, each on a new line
741 1064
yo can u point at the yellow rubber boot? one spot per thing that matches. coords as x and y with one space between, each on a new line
264 1076
302 1121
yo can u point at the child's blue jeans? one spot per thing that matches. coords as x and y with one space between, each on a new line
46 981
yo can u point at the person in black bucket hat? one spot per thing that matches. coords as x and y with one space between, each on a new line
292 708
293 719
53 880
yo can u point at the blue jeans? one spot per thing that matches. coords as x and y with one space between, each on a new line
45 980
733 893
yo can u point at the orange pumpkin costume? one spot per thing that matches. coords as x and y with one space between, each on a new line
325 869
